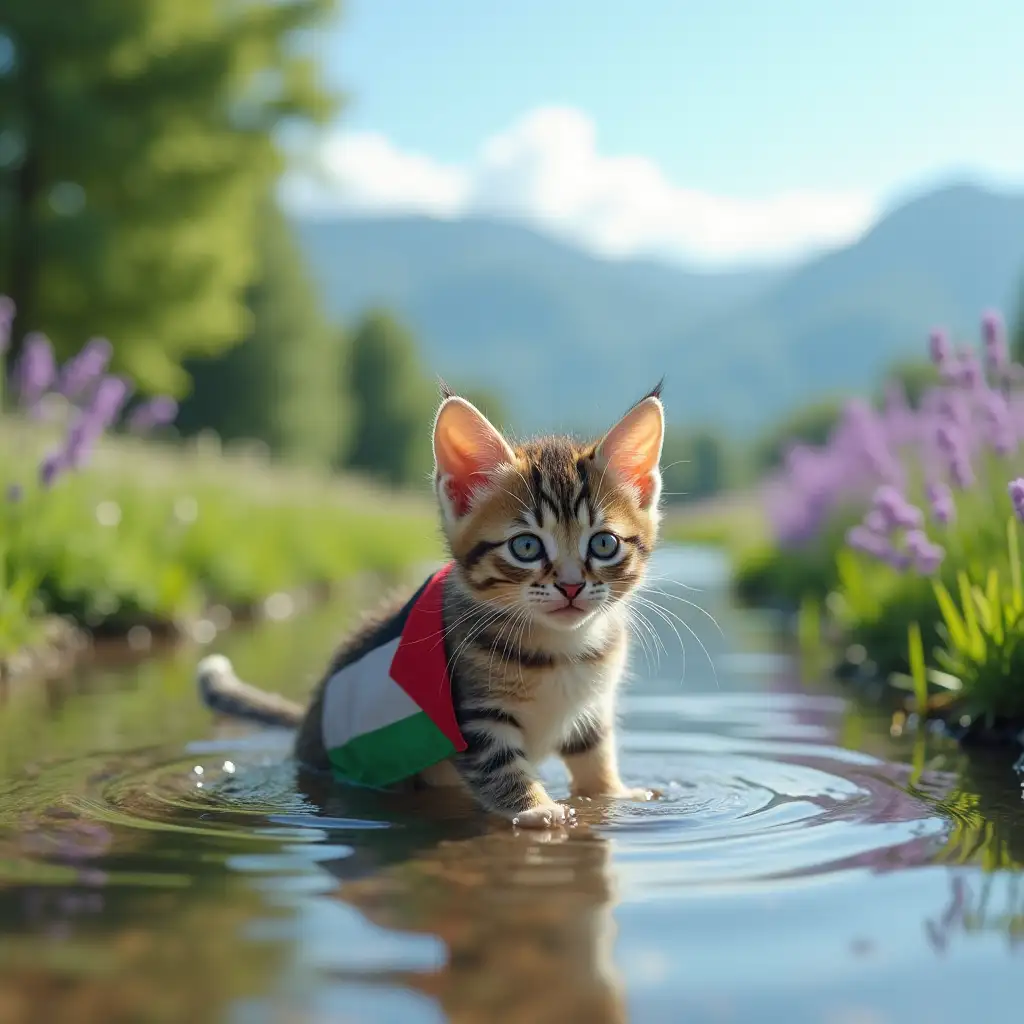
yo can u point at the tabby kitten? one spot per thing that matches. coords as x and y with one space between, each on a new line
515 650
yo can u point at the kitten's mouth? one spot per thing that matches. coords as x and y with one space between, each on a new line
568 611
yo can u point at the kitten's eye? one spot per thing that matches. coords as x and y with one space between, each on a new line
604 545
526 547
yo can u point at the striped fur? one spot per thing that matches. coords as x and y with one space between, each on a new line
535 649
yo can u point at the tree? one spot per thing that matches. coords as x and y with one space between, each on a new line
138 142
809 424
392 402
281 384
697 464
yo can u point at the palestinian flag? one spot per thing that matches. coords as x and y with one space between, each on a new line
388 713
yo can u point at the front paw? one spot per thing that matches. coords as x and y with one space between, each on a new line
545 816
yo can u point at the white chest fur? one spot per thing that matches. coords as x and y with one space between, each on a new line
571 691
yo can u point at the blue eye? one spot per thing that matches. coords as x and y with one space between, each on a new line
527 547
604 545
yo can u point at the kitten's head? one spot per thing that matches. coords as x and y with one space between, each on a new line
556 528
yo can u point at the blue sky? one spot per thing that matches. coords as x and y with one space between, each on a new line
708 131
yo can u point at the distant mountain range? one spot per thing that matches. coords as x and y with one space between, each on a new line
571 339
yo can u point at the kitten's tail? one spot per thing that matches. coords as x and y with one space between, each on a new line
222 691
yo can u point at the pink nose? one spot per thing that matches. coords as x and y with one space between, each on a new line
570 589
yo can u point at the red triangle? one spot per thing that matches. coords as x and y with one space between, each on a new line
420 665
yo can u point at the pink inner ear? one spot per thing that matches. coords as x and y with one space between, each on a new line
468 449
633 447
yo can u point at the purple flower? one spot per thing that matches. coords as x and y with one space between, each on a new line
36 369
157 412
7 312
895 510
860 538
1016 490
15 492
961 472
969 373
877 522
50 468
81 372
938 346
994 333
110 397
940 499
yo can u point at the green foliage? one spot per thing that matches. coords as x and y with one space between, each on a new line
392 402
281 384
696 464
810 424
916 376
983 638
152 534
143 140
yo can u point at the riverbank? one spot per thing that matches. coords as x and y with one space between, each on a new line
155 541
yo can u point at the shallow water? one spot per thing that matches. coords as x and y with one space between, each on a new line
803 865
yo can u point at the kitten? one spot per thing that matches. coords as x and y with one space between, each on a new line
512 652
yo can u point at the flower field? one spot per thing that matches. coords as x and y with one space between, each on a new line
900 534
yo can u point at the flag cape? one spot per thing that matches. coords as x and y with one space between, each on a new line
388 714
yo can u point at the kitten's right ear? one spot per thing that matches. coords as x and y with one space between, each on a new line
467 450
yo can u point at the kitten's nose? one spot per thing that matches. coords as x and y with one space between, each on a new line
570 589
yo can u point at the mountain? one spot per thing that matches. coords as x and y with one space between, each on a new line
571 339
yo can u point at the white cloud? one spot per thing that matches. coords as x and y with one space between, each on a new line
546 169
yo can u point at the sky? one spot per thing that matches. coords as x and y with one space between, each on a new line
718 132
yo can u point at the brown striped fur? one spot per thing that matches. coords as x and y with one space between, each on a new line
535 649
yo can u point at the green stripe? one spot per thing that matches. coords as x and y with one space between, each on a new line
391 753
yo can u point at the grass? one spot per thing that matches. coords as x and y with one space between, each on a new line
153 533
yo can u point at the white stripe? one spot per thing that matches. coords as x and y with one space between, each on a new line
363 697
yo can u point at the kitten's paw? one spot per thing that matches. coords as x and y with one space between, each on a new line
545 816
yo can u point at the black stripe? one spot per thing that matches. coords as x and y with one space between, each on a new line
538 496
466 715
478 551
637 543
501 759
489 642
585 736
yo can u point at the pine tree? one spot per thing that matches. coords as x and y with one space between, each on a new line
138 142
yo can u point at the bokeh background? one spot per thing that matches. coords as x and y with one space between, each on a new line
294 216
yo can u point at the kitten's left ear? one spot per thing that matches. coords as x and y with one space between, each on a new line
632 448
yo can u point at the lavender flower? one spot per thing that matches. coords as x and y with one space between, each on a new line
861 539
940 499
877 522
36 369
111 395
84 370
1016 490
895 510
938 347
969 373
50 468
157 412
15 492
994 333
7 312
925 556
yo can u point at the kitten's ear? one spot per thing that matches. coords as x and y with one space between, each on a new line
632 448
467 450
